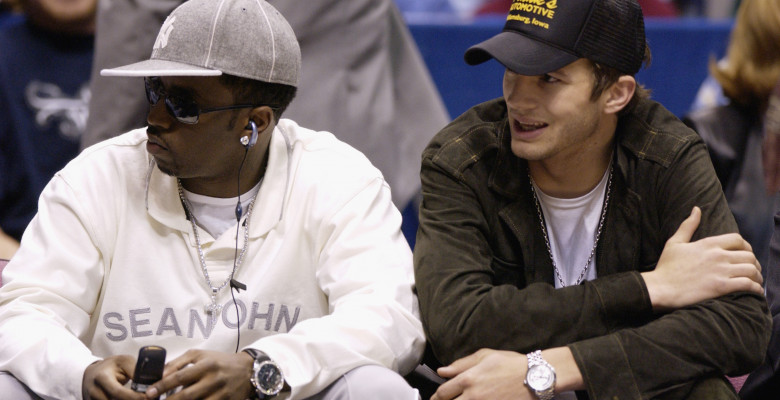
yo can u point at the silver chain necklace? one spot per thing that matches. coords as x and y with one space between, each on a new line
212 309
595 242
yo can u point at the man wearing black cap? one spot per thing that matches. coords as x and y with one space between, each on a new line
573 235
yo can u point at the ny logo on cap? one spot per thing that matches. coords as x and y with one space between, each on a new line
165 31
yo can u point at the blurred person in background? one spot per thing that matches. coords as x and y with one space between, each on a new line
734 132
44 91
764 382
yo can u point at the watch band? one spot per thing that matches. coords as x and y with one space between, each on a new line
535 359
257 354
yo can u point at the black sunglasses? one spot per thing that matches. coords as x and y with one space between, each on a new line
185 110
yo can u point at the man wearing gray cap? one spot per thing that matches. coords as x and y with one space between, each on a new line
264 258
573 238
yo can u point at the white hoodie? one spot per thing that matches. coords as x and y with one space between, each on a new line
110 264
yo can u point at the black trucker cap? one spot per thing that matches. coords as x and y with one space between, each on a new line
541 36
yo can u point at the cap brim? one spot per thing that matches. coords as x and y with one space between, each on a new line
520 54
160 68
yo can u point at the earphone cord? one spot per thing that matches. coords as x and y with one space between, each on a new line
239 212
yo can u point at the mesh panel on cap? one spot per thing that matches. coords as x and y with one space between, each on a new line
618 42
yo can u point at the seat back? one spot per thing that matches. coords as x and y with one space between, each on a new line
3 262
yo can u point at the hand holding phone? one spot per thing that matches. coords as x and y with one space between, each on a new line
148 368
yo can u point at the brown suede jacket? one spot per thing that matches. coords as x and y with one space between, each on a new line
485 280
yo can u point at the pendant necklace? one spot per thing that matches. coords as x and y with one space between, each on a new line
598 231
212 309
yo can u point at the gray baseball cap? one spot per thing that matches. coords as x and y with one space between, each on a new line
245 38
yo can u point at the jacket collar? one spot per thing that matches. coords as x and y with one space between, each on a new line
510 173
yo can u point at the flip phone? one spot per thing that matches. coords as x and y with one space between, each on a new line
148 368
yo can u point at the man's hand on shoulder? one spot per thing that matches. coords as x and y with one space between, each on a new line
497 374
207 374
690 272
105 379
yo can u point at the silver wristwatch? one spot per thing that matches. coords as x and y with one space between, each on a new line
540 377
267 377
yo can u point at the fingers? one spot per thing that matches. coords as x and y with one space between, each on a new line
126 364
734 253
741 284
748 271
198 389
727 241
189 357
734 264
462 364
175 377
687 228
205 375
742 257
737 277
754 287
448 390
738 264
107 378
448 372
172 379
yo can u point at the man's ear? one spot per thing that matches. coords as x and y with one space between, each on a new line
619 94
263 117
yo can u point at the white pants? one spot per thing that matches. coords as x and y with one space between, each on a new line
367 382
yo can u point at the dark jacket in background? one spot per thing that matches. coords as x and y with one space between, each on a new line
764 382
734 136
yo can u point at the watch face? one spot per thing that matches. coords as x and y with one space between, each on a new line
540 377
269 378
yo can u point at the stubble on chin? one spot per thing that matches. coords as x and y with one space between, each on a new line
526 151
165 169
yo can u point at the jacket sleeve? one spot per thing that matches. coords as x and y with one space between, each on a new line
365 270
51 287
727 335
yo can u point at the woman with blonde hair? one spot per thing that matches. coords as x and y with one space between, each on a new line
753 66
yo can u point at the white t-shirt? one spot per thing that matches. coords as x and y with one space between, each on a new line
216 215
571 228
